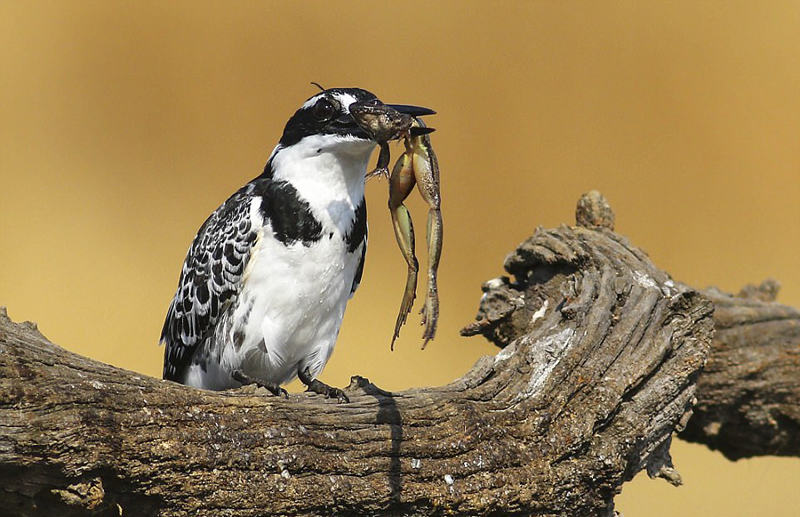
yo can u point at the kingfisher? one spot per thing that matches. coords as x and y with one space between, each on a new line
266 280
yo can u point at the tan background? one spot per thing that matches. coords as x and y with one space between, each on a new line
122 127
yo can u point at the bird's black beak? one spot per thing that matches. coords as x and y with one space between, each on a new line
414 111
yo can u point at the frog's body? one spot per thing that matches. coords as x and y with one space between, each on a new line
417 166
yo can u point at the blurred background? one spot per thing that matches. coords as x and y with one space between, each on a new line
124 124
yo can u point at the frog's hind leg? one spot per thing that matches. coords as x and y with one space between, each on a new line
426 172
404 231
430 311
401 183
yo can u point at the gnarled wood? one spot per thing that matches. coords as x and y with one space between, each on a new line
749 393
601 355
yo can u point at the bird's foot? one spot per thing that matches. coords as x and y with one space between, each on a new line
330 392
278 391
320 388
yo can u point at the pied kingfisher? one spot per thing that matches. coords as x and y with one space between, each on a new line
264 286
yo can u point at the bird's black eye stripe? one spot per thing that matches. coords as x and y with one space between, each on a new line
325 109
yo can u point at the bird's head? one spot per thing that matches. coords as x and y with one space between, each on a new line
328 118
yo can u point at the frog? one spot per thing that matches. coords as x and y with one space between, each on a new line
418 166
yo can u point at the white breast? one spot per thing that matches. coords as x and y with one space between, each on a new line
288 313
291 308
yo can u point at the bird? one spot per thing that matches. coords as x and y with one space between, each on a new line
264 286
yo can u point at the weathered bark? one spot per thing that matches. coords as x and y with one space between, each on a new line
601 355
748 397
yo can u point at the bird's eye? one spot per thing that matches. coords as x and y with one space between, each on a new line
324 109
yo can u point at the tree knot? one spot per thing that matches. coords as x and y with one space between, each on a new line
593 210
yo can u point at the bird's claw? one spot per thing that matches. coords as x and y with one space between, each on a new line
320 388
339 395
244 379
328 392
278 391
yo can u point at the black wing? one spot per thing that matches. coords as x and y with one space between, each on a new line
356 237
210 279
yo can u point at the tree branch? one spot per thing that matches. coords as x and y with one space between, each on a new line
749 393
601 355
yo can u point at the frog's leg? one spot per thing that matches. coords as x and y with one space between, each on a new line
430 311
426 173
382 169
401 183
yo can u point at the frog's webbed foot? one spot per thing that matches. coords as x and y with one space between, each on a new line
408 300
278 391
382 169
430 312
378 172
316 386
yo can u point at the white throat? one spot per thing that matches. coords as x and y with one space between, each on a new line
328 171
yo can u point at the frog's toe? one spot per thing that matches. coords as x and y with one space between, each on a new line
379 172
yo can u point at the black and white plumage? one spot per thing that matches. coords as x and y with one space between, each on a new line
266 280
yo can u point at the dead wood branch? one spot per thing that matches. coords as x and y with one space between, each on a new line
601 356
748 397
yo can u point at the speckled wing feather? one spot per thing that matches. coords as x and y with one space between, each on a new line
210 280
